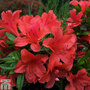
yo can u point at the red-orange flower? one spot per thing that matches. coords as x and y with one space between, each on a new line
78 81
74 2
24 24
49 21
86 38
32 33
63 46
35 28
55 69
9 21
74 20
83 4
31 65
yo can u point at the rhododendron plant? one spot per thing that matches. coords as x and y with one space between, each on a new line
45 50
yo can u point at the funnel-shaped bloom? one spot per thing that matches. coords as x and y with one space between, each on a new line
32 33
74 20
63 46
35 28
78 81
31 65
55 69
9 21
83 4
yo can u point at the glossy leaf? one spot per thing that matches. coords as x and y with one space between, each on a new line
20 80
10 36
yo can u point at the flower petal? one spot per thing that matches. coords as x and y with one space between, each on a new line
69 87
42 58
16 14
20 42
30 76
26 56
20 67
35 47
48 43
51 82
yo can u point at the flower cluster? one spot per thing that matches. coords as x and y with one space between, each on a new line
44 51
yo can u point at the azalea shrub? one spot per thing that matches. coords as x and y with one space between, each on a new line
46 50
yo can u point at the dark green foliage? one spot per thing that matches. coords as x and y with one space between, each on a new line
9 62
60 8
40 11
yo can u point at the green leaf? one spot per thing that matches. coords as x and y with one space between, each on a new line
9 42
84 49
10 61
88 12
88 64
80 61
82 33
85 33
88 9
7 66
15 55
88 70
78 33
10 36
88 54
20 80
78 8
12 57
6 59
83 61
1 54
11 72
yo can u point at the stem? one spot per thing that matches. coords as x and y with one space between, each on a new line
30 6
61 84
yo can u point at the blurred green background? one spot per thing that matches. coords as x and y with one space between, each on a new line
60 7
